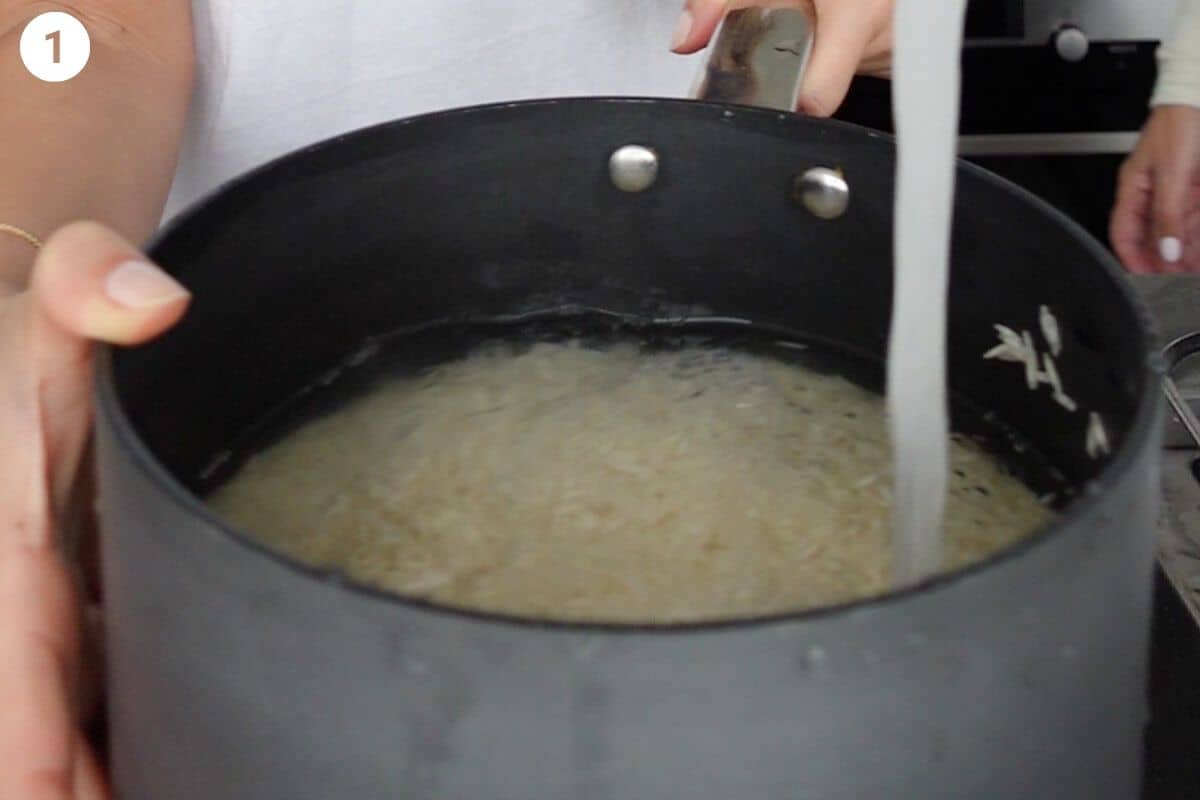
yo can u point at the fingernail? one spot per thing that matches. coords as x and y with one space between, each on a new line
137 284
1171 249
682 29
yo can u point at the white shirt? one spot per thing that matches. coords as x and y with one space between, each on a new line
1179 60
275 75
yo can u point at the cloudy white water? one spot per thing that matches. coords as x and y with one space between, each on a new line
928 43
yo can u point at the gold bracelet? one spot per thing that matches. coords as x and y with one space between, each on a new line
23 234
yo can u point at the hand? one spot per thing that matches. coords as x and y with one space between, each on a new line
87 284
852 36
1155 224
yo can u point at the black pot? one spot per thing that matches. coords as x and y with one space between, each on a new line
236 673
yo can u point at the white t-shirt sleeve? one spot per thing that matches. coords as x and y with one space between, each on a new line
1179 60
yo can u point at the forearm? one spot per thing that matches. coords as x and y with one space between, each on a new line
1179 60
102 146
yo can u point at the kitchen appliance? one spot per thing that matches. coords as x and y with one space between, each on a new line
1054 93
236 673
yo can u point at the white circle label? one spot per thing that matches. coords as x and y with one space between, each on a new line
55 47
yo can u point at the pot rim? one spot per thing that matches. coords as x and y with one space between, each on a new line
111 413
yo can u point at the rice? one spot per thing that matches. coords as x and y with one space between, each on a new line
571 483
1050 375
1050 330
1096 439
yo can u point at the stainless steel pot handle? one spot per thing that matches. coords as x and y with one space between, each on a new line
1174 353
757 57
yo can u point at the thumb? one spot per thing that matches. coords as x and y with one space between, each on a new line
841 39
697 24
88 284
1169 208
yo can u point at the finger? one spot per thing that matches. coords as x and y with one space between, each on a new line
877 58
93 284
841 39
38 669
89 783
1189 253
1129 234
1191 240
38 600
88 283
35 737
1129 225
1171 181
696 25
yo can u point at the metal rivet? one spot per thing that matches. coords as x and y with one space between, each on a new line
633 168
823 191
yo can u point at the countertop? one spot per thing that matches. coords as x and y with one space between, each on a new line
1172 756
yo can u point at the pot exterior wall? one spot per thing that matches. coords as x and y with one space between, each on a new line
234 675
